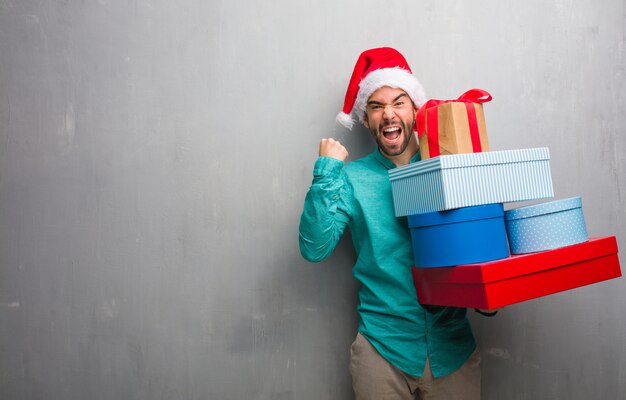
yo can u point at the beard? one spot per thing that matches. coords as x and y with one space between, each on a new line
395 150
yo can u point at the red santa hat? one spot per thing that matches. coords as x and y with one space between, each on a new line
374 69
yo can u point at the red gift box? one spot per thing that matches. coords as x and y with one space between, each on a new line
518 278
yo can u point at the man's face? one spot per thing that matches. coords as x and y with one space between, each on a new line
390 116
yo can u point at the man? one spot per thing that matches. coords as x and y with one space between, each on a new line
402 350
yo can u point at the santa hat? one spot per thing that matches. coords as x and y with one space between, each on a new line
374 69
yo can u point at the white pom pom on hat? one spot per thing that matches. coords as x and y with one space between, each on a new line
374 69
345 120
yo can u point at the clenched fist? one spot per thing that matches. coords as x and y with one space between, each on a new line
334 149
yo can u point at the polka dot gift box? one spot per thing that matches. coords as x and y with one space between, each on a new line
546 226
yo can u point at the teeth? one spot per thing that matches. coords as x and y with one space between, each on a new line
391 129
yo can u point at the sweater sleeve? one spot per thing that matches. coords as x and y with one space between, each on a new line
325 214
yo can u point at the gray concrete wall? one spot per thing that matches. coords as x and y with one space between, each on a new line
154 156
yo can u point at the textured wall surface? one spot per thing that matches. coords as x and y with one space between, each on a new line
154 156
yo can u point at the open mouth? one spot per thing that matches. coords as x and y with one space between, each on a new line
391 132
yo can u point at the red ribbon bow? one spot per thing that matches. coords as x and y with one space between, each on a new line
429 109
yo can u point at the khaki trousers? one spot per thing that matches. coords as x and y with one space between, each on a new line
373 378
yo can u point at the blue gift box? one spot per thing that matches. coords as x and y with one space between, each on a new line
546 226
461 236
465 180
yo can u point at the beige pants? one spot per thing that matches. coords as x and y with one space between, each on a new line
373 378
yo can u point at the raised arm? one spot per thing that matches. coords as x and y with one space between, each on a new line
325 213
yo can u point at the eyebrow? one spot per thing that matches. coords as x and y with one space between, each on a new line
380 103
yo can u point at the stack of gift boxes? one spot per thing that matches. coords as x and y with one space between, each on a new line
469 251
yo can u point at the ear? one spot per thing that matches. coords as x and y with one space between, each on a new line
366 122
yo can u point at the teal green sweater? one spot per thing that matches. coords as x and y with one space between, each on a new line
358 195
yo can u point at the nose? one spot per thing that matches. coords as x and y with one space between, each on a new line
388 112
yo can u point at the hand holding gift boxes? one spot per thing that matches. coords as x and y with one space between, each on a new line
461 235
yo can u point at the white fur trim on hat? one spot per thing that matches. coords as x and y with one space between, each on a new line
345 120
393 77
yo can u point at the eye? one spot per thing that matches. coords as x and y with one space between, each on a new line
399 103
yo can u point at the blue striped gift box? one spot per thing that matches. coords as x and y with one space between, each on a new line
465 180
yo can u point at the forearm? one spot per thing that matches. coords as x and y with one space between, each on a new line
323 219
